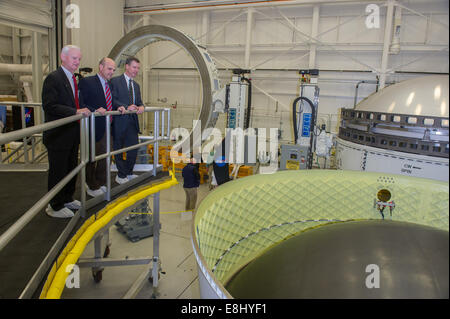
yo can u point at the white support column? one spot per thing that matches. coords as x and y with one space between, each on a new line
37 73
205 28
52 47
314 32
75 33
15 34
37 65
387 42
145 78
248 40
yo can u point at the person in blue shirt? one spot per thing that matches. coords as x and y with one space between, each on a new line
191 182
221 170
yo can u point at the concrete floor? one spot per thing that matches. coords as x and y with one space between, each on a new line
180 280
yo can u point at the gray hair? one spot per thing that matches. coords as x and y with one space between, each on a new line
68 47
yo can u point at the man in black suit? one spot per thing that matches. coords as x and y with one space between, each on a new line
60 99
97 97
126 96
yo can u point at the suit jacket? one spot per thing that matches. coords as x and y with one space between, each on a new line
121 98
93 95
58 102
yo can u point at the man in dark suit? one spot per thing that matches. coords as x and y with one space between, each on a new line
97 97
60 99
126 96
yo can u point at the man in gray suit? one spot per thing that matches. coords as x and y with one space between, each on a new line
126 95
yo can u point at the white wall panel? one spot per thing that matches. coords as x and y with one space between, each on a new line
356 32
438 32
101 26
328 30
414 29
432 62
329 60
266 31
169 54
30 14
5 44
423 42
304 24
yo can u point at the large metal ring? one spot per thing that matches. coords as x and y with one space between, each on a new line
137 39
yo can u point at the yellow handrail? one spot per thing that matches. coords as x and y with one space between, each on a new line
56 279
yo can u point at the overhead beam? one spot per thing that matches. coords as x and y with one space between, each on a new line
387 42
248 39
227 5
314 31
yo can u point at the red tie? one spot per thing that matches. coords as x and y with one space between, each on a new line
108 99
77 103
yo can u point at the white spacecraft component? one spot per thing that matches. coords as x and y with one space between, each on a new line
402 129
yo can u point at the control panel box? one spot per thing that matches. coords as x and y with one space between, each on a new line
293 157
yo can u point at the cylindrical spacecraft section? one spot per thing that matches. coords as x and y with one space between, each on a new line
245 218
402 129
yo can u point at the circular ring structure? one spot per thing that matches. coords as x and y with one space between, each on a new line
139 38
243 218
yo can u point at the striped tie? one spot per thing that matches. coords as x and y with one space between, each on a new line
108 99
77 103
130 91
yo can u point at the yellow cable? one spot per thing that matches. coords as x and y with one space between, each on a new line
163 213
54 288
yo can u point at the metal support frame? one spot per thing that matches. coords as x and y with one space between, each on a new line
314 31
248 41
37 71
397 132
34 138
98 262
387 42
10 233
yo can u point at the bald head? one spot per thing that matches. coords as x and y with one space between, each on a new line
71 57
106 68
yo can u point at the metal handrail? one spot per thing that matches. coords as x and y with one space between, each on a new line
20 134
17 150
11 232
13 103
37 118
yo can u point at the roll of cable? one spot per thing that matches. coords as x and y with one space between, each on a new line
323 144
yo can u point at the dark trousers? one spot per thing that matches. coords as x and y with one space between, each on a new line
191 198
61 163
124 136
96 171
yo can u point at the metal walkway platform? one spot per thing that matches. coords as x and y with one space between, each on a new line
23 256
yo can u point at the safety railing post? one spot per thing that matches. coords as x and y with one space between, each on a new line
168 123
108 158
163 132
92 135
84 155
25 139
156 144
84 158
155 268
